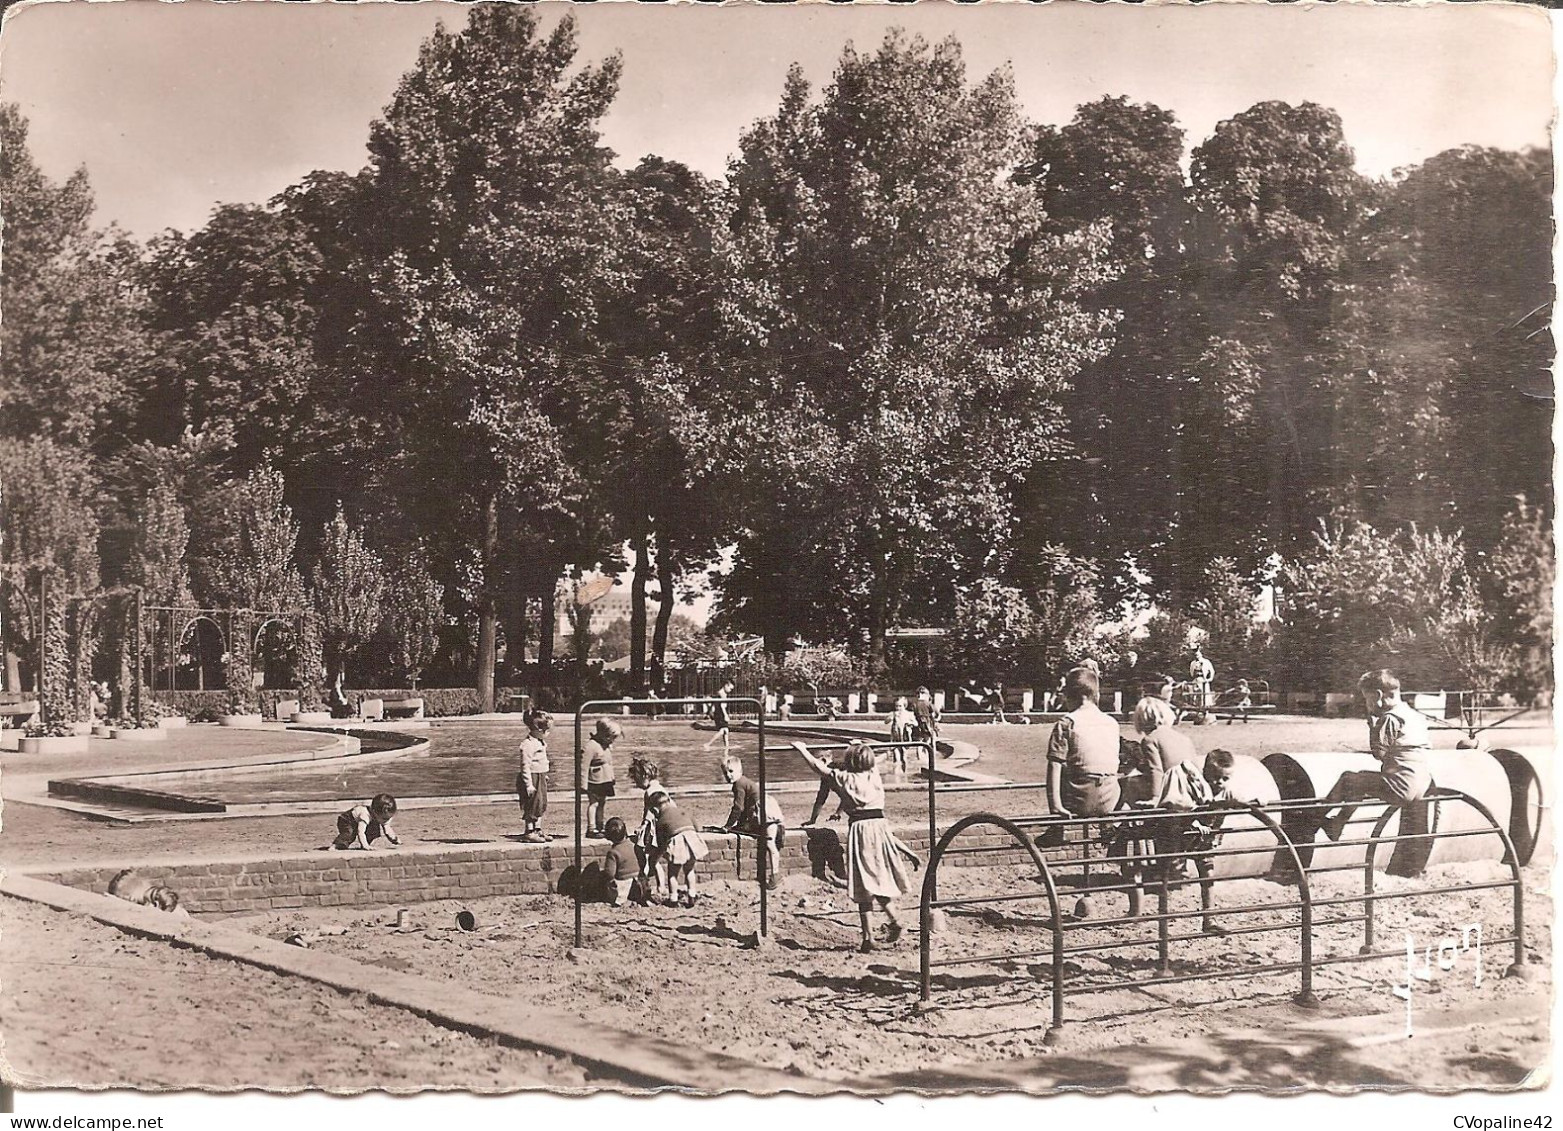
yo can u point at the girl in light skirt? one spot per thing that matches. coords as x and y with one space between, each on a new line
682 845
879 866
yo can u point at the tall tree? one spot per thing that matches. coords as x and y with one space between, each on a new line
660 336
1479 227
50 534
70 338
1118 163
902 328
1277 198
347 583
492 243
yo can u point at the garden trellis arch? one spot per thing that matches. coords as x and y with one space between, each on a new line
240 631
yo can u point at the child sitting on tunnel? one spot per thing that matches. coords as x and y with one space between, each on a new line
1397 737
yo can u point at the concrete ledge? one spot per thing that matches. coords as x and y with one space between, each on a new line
634 1063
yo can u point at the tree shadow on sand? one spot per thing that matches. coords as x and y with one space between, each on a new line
1282 1062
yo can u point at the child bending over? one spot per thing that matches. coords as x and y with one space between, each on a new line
647 776
1196 789
744 818
682 845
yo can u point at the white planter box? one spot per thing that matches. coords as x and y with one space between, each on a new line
10 739
139 734
172 722
103 731
314 718
240 720
82 728
73 744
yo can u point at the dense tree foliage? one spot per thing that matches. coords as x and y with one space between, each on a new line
913 361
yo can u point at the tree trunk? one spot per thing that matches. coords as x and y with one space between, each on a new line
488 615
547 621
638 611
666 569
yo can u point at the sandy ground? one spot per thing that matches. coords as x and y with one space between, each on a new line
808 1003
811 1004
87 1005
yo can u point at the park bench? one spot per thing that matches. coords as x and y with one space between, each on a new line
18 711
404 708
286 709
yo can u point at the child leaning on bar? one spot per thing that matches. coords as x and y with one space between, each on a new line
877 862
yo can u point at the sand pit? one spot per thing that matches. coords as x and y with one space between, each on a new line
87 1005
810 1005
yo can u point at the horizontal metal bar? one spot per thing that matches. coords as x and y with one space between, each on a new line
1414 893
1174 979
1445 834
943 903
1268 928
873 745
1341 959
1241 909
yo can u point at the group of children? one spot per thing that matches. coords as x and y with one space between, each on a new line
1093 772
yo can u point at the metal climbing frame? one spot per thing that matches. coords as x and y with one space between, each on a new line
1053 868
598 706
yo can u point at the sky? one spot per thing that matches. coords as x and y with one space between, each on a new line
175 108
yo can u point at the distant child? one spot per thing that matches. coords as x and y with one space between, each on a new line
362 825
925 716
993 699
744 818
532 780
1082 753
1397 737
786 706
597 766
903 725
719 719
682 846
1193 788
647 776
621 866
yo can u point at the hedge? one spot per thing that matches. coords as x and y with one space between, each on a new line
437 701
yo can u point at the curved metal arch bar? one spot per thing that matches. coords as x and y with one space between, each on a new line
929 897
1305 995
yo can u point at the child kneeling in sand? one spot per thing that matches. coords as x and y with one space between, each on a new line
621 866
362 825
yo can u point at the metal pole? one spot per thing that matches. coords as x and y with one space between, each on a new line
575 785
140 659
933 816
764 841
43 647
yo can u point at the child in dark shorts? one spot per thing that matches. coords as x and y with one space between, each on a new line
532 780
599 777
362 825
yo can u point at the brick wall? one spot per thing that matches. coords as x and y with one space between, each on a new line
419 873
